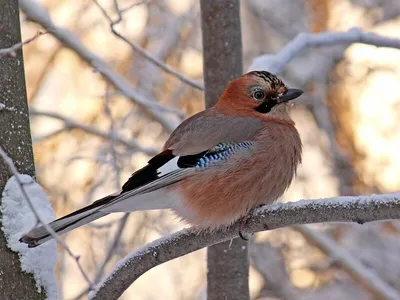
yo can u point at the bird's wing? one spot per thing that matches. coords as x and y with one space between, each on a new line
205 130
166 169
161 171
203 139
197 144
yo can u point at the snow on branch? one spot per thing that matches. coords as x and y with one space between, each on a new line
17 219
22 183
358 209
275 63
342 209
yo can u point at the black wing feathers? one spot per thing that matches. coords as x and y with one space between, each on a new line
148 173
190 161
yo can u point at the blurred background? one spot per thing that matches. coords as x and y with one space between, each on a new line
89 137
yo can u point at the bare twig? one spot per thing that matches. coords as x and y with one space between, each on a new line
39 219
159 63
129 7
342 166
11 50
170 41
38 14
122 222
46 136
359 209
70 123
367 277
276 63
113 139
110 253
112 248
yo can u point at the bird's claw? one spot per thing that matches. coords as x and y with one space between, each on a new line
243 221
242 236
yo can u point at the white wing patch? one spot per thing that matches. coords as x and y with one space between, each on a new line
169 167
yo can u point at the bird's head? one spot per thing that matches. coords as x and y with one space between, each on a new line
257 93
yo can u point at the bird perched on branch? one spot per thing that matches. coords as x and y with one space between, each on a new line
216 166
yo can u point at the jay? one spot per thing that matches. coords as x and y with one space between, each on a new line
216 166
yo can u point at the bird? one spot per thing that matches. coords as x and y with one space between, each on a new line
216 166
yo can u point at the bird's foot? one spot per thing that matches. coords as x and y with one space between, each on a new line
242 224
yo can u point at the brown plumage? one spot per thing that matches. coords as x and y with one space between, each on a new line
221 194
216 166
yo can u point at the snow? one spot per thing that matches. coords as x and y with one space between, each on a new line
343 201
4 107
268 62
18 219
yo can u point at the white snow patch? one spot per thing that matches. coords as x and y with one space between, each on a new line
18 219
268 62
4 107
342 201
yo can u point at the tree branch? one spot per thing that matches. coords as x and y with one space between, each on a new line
359 209
39 219
352 265
11 50
275 63
70 123
154 60
39 15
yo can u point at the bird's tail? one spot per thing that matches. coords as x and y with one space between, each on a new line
39 235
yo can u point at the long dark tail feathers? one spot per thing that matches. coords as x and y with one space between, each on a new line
40 235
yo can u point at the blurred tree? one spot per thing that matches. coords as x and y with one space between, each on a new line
15 138
228 263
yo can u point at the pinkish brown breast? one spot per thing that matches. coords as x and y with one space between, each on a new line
258 175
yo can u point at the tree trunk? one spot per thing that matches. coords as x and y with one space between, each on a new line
16 140
228 263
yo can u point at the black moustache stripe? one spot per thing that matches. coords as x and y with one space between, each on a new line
266 106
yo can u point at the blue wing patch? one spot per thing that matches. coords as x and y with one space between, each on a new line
219 153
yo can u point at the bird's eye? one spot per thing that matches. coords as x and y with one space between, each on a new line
258 94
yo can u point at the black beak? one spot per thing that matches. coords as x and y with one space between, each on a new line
290 95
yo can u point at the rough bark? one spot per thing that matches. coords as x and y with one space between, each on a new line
15 138
228 263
